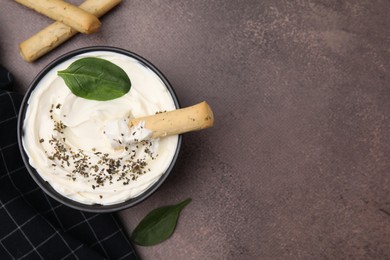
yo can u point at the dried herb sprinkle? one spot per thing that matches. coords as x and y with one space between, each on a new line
106 169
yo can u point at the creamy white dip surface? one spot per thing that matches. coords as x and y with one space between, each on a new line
84 148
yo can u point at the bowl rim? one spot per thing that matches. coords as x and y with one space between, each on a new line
44 185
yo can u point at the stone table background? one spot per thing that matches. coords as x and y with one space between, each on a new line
297 165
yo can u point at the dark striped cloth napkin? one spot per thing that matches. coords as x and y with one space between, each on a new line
34 226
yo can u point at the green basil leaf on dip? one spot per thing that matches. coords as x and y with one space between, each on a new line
96 79
158 225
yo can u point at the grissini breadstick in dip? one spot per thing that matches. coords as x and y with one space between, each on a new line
180 121
160 125
57 33
66 13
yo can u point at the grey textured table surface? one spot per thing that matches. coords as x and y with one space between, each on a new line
297 165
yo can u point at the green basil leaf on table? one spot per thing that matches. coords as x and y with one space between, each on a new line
158 225
96 79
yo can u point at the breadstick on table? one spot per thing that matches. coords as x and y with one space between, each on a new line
66 13
57 33
193 118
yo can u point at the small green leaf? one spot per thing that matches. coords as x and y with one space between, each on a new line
96 79
158 225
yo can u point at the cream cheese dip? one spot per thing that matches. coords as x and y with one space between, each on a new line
84 149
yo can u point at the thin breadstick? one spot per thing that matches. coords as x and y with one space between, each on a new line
66 13
193 118
57 33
